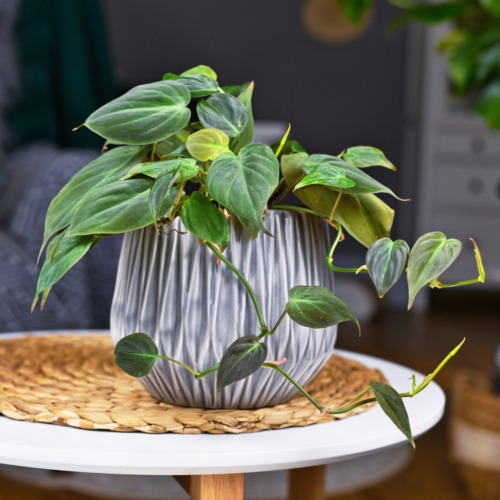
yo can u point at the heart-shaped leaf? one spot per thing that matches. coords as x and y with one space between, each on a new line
223 112
365 217
317 307
199 85
146 114
136 354
159 192
69 251
366 156
244 183
117 207
242 358
205 221
325 175
386 262
431 255
392 405
170 144
154 169
201 70
63 206
364 184
207 144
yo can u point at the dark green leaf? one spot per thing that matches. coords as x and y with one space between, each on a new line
199 85
355 10
223 112
392 405
69 251
160 190
235 90
317 307
154 169
117 207
488 104
207 144
297 147
244 183
364 184
242 358
492 6
386 263
364 216
326 175
167 146
201 70
146 114
204 220
246 136
63 206
431 255
430 13
136 354
181 151
366 156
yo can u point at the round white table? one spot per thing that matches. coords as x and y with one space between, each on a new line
225 457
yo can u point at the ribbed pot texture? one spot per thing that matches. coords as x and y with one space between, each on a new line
171 288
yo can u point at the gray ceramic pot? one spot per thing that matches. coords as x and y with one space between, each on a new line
171 288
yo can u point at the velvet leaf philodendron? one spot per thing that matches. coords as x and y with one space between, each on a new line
163 161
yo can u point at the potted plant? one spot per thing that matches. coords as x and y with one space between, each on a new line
197 283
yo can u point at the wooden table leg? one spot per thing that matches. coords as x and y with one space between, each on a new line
217 487
307 483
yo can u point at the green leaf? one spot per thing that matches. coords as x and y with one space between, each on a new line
205 221
431 255
244 183
364 184
317 307
117 207
199 85
392 405
430 13
354 10
63 206
154 169
160 190
146 114
235 90
136 354
325 175
223 112
386 262
181 151
488 104
170 76
207 144
492 6
297 147
365 217
242 358
201 70
170 144
366 156
69 251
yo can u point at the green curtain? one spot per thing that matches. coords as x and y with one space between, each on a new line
66 71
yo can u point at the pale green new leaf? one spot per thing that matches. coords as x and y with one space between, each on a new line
154 169
199 85
144 115
325 175
244 183
431 255
366 156
201 70
207 144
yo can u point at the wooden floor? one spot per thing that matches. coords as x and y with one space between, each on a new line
420 342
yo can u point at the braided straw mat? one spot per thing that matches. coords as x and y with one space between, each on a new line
73 380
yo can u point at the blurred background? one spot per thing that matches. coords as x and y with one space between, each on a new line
339 85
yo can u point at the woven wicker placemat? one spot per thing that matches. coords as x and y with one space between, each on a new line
73 380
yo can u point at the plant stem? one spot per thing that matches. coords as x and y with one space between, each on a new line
195 373
239 143
245 282
278 323
289 188
204 373
329 258
153 151
336 205
297 208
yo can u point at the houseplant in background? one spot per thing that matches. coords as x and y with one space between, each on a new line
472 45
193 193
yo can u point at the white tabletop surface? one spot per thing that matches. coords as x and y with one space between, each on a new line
48 446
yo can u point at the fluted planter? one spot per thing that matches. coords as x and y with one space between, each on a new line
171 288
